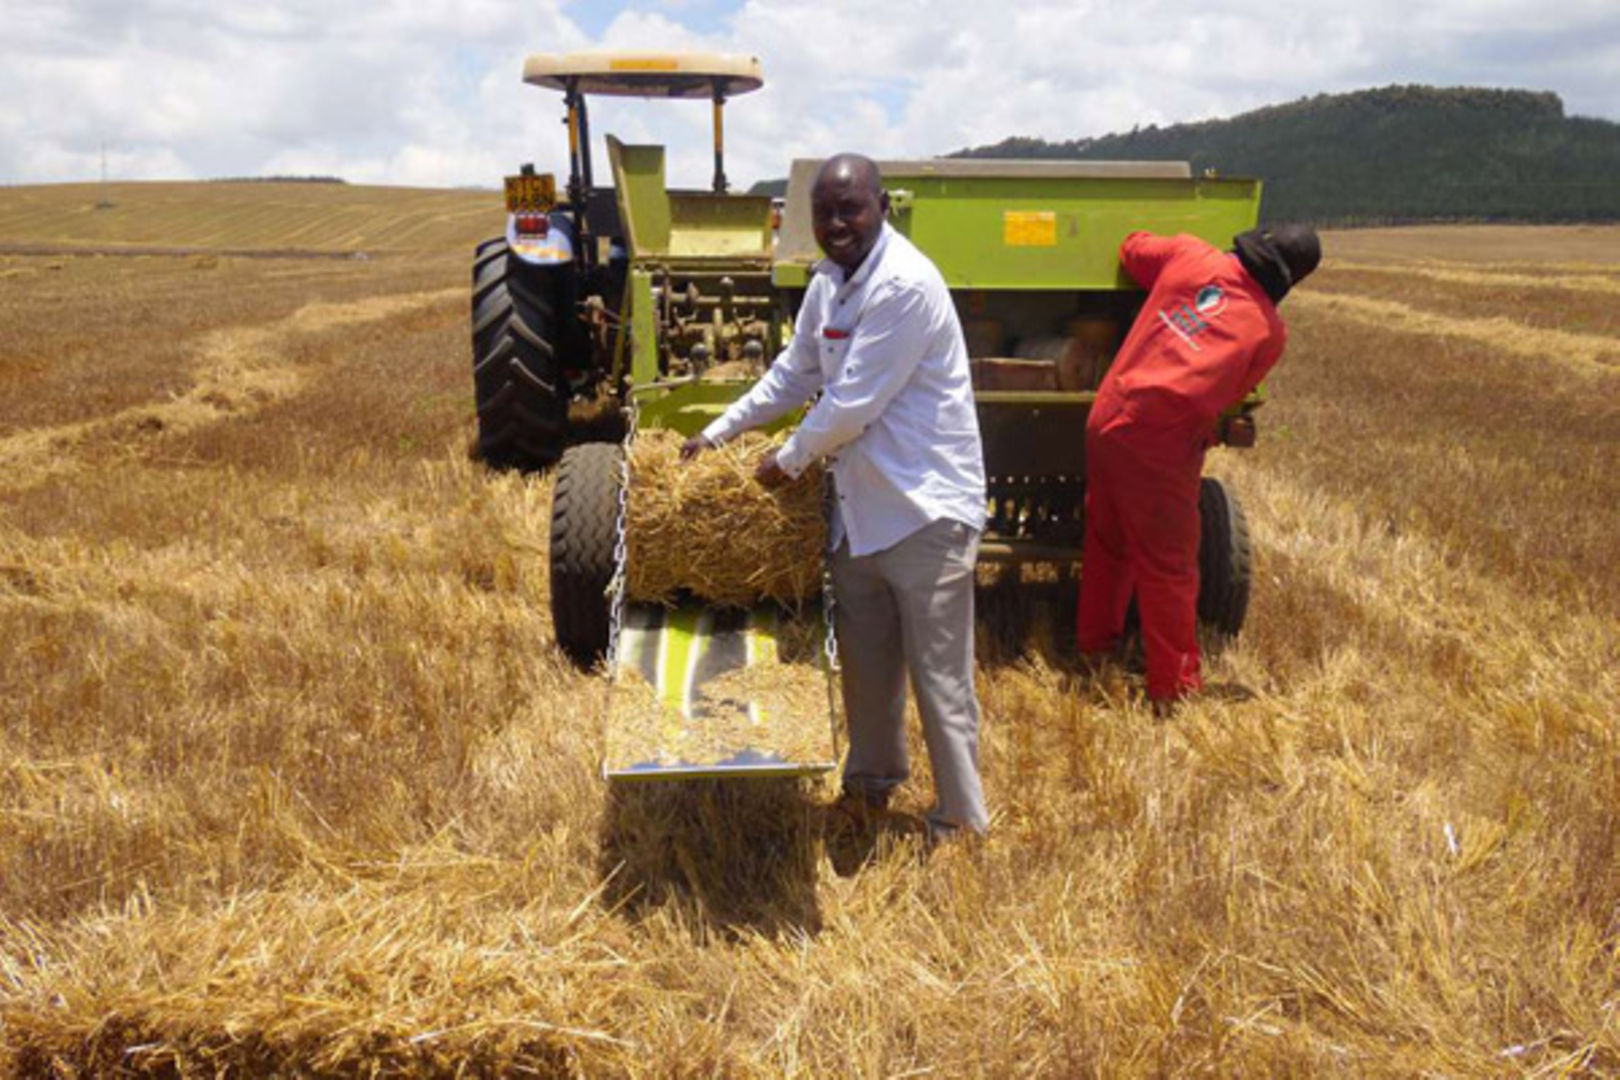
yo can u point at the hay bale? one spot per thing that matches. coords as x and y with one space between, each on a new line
707 527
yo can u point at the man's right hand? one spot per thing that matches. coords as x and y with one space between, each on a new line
694 446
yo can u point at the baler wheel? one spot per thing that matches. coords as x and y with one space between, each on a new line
584 526
1224 559
518 323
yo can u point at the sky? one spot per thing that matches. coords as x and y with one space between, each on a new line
429 92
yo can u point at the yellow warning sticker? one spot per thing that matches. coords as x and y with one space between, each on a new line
1029 228
644 63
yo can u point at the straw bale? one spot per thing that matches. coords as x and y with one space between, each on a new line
791 718
707 528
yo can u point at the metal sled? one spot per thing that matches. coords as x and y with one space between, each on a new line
683 703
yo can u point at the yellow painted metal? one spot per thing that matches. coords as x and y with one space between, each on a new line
685 225
643 328
646 74
638 175
1030 226
720 226
644 63
687 405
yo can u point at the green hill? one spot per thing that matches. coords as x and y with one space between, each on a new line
1400 153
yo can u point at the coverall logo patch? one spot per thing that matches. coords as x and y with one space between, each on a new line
1190 320
1211 299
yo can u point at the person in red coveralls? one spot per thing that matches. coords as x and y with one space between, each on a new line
1207 334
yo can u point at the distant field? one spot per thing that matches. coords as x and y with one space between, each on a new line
293 780
246 216
1546 247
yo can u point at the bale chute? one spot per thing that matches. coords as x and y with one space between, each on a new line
717 692
718 663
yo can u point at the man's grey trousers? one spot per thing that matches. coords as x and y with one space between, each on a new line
909 608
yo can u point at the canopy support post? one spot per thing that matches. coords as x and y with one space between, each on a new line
719 137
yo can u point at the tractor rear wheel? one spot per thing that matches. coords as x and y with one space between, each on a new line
1224 559
520 319
584 529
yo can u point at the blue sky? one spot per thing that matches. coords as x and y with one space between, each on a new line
429 92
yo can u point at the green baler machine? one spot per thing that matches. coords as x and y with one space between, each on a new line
1030 249
1027 248
669 304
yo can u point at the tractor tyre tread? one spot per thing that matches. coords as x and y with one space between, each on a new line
517 323
584 531
1225 559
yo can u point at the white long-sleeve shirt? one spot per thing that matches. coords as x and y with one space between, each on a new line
895 417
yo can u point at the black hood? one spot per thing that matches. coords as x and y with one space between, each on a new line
1279 257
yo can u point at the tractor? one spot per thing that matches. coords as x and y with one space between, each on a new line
661 307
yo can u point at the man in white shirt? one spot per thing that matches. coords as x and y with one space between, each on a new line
878 338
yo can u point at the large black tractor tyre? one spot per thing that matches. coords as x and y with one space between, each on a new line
521 319
584 527
1224 559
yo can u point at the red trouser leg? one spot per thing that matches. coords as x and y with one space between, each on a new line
1105 569
1165 561
1146 481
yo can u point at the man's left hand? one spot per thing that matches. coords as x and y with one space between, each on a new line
769 473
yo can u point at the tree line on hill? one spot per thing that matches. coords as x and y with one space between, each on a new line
1394 154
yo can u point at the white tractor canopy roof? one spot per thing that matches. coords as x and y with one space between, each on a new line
642 74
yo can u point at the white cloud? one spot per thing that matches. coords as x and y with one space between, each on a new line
428 91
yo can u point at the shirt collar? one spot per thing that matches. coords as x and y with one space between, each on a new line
863 273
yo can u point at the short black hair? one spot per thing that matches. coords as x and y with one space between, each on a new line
858 168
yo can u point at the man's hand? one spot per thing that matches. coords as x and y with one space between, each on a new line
769 473
694 446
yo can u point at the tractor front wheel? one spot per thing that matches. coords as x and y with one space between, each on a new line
584 529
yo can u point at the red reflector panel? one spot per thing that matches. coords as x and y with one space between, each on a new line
533 224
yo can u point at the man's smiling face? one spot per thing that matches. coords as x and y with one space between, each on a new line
847 206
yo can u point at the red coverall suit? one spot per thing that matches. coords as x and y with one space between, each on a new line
1207 335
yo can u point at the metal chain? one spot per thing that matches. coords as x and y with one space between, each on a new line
829 602
616 588
829 606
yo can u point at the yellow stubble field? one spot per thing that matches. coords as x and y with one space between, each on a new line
292 778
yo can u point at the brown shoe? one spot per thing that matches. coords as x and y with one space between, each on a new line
850 831
859 809
939 837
